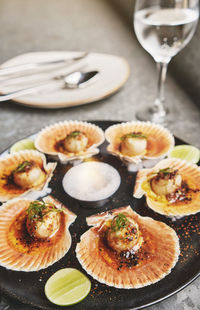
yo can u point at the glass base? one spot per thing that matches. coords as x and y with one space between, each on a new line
152 115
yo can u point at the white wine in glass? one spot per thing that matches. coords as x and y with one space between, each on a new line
163 28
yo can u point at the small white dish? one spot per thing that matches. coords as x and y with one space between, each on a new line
92 183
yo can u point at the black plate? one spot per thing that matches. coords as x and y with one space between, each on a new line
28 287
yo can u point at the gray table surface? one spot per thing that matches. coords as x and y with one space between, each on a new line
95 26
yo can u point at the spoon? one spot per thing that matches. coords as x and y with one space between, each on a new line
72 80
80 79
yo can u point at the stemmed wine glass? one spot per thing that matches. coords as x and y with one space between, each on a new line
163 28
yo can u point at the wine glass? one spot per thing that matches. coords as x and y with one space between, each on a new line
163 28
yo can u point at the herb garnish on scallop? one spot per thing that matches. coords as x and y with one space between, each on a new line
75 142
125 250
139 144
133 144
70 140
36 233
171 187
22 172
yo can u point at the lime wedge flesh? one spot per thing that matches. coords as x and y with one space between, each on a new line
25 144
67 286
186 152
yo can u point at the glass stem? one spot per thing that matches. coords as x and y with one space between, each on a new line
160 99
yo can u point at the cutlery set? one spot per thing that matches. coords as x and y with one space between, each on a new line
72 79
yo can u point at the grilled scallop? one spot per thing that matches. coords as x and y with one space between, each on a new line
123 234
126 250
139 144
133 144
75 142
43 219
70 140
23 172
34 234
171 187
166 181
28 174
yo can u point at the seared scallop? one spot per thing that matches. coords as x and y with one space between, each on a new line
43 219
75 142
28 174
139 144
123 234
166 181
70 140
171 187
34 234
24 172
133 144
127 269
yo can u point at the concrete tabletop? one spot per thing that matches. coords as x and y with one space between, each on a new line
95 26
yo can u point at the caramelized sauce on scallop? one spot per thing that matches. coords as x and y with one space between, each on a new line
20 240
187 193
59 146
7 183
126 259
155 146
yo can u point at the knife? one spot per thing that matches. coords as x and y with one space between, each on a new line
34 65
36 87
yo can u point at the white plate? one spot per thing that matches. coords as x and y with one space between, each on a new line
114 71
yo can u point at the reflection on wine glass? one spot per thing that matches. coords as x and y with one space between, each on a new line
163 28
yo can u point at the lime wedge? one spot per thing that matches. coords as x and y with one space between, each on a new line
186 152
67 286
25 144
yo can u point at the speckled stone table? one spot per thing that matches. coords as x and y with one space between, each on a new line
97 26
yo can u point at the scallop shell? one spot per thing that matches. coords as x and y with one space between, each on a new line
163 260
11 162
15 259
49 136
159 140
188 171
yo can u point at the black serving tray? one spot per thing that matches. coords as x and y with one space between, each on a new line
28 287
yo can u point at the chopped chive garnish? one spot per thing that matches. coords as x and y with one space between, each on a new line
73 134
134 135
165 170
22 167
119 222
38 209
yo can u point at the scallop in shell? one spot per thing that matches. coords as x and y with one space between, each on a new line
139 144
184 200
19 251
22 172
70 140
128 270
